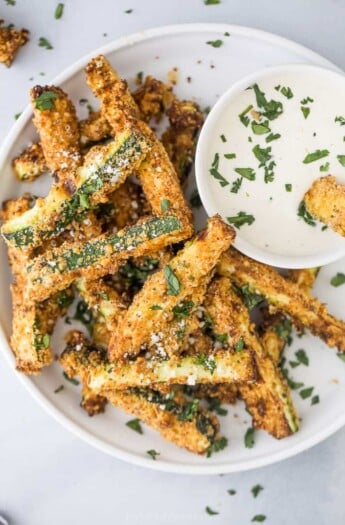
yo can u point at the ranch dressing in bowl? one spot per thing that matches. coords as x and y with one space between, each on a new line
268 138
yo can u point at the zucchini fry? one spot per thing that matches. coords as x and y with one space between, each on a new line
157 175
104 169
284 296
325 200
179 139
97 373
11 40
56 122
49 273
178 420
268 400
30 164
153 306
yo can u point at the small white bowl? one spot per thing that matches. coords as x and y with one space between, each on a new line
278 236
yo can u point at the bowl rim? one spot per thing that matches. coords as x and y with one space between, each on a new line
256 253
67 421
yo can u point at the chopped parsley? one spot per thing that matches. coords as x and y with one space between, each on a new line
340 119
214 406
232 492
43 42
315 400
302 357
59 11
341 159
207 361
273 136
221 338
129 11
134 424
259 518
10 2
236 185
287 92
215 173
243 116
288 187
338 279
153 454
249 441
247 173
306 392
262 154
165 205
271 109
173 284
305 110
216 446
17 115
239 345
256 490
58 389
215 43
211 512
182 310
283 330
260 128
240 219
250 299
230 155
195 200
189 411
211 2
269 172
294 385
72 380
324 167
223 138
84 315
45 100
305 215
156 307
305 101
341 356
316 155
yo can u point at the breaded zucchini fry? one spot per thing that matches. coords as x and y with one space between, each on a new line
102 255
101 375
182 422
325 200
30 164
284 296
153 306
268 400
56 122
157 175
179 139
304 277
11 40
127 204
104 169
153 97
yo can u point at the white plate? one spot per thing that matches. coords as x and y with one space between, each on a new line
156 52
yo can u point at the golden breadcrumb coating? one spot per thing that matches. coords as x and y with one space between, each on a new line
30 164
325 200
284 295
153 98
11 40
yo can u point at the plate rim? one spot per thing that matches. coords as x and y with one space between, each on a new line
67 421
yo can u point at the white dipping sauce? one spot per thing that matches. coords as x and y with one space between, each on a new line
277 228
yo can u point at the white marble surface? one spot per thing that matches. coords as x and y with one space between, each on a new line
47 476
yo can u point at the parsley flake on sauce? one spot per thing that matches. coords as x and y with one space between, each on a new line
243 116
256 490
305 215
210 511
259 518
247 173
236 185
240 219
316 155
59 11
288 187
341 159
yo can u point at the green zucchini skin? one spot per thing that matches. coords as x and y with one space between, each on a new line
95 181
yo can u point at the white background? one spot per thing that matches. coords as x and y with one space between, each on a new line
47 476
